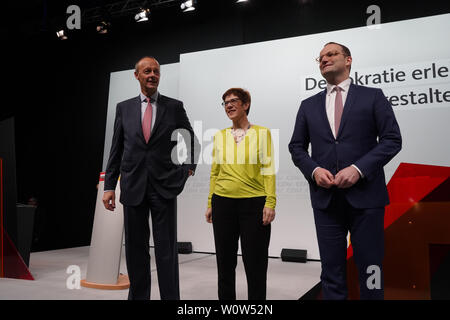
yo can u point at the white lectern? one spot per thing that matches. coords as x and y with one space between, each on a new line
106 245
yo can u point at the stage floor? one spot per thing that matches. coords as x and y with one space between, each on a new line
198 278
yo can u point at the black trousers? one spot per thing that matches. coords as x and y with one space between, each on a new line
234 218
137 246
366 227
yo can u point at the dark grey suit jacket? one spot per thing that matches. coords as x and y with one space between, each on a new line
140 163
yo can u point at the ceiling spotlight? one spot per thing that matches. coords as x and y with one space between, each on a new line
188 5
142 15
238 1
61 35
103 27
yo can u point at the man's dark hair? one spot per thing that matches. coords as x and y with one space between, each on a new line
344 48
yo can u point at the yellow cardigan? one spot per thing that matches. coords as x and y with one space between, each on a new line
243 170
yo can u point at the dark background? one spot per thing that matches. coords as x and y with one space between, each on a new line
58 90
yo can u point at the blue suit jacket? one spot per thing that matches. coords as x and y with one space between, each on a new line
140 163
369 137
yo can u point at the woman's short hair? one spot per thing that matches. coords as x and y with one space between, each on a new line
242 94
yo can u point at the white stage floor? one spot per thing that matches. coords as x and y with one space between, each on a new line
198 278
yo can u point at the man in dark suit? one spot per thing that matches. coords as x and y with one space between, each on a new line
142 151
353 133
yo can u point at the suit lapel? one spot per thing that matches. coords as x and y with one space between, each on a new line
137 115
347 107
160 112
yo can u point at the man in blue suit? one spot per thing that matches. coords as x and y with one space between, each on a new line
150 179
353 134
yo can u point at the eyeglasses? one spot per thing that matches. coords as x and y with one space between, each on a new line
232 102
329 55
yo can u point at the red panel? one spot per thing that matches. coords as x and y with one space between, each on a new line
416 223
410 183
2 274
12 264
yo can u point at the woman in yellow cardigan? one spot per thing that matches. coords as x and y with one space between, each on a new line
241 202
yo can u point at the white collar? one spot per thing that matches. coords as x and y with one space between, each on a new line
344 85
153 97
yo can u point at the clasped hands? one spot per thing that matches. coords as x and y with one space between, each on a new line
345 178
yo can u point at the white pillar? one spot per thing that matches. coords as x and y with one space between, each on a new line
106 242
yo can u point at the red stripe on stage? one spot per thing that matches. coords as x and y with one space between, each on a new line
1 217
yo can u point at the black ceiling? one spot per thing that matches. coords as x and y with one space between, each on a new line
37 18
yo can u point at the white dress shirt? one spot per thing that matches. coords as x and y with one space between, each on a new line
331 98
330 106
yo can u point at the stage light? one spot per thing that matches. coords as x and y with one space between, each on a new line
61 35
142 15
238 1
103 27
188 5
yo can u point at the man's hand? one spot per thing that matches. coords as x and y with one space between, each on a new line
191 172
268 215
208 215
324 178
346 177
109 200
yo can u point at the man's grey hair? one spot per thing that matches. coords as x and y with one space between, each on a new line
136 66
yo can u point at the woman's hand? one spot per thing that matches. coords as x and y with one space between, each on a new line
268 215
208 215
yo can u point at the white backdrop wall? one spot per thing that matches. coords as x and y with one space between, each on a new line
406 59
